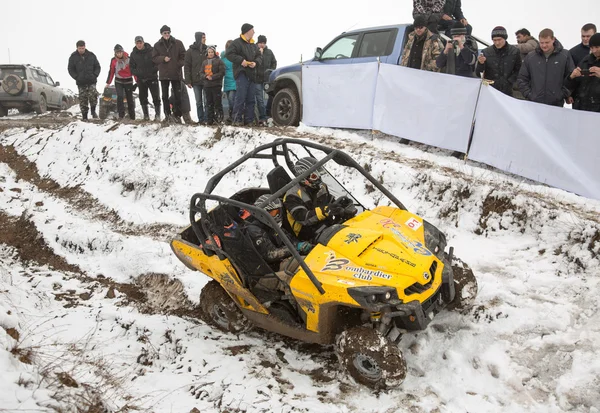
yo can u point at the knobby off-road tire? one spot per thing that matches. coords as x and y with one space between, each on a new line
465 286
286 108
219 310
370 358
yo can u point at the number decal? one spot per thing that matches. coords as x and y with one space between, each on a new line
413 224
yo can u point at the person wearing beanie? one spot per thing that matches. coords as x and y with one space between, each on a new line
459 56
582 50
431 11
213 70
584 81
169 56
193 74
269 63
120 70
84 68
244 56
451 14
142 66
542 75
500 62
422 48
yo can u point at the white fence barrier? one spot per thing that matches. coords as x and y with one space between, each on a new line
556 146
339 96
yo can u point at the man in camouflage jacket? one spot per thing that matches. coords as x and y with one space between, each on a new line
422 48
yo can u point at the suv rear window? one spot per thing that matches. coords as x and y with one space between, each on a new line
15 70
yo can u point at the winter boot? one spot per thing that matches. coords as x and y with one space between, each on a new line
84 116
187 118
145 110
157 113
94 115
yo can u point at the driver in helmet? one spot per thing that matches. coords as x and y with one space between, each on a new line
309 203
266 240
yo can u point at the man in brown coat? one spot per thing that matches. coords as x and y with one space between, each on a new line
169 56
422 47
526 43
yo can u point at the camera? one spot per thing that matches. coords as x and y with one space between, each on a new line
455 43
585 72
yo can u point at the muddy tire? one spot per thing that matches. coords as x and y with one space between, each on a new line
13 85
465 286
64 105
286 108
370 358
219 310
42 105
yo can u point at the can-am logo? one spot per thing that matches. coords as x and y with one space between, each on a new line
416 246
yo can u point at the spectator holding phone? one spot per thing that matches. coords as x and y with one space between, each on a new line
584 81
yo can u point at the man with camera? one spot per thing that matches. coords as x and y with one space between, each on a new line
541 78
584 81
459 56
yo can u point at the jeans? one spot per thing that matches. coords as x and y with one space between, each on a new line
198 89
260 101
176 84
243 109
230 101
125 90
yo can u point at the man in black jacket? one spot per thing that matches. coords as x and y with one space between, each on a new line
142 66
542 75
245 56
459 56
584 81
500 62
85 69
193 74
169 56
451 14
268 63
582 50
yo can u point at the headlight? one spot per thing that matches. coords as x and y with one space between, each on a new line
267 86
374 298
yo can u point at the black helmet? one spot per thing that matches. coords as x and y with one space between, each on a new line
274 208
303 165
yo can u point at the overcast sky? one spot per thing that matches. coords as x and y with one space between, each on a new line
44 33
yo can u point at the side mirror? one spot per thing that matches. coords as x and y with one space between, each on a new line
56 83
318 53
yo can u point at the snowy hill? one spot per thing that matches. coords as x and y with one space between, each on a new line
97 313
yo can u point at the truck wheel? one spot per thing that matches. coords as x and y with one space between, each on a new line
103 111
64 105
286 108
370 358
42 105
465 286
219 310
13 85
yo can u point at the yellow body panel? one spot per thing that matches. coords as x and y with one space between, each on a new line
221 271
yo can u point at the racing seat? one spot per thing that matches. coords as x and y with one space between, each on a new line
278 178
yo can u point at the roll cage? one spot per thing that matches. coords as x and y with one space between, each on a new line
206 227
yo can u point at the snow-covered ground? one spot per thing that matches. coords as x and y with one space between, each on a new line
99 202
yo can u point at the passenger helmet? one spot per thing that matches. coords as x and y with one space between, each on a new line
274 208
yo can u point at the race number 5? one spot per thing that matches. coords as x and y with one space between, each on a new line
413 224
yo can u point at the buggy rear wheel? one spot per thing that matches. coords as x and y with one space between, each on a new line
370 358
465 286
219 310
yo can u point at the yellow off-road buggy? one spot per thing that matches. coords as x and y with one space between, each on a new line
367 280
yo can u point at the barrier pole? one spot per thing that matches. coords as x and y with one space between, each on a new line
472 132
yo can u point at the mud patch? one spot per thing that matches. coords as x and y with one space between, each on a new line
22 234
499 213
